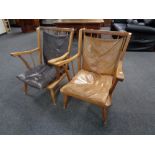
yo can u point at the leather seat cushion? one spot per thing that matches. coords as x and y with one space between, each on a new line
39 76
90 87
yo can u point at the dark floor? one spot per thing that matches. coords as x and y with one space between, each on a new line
133 104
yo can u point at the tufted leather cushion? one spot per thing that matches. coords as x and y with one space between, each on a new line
90 86
54 45
124 21
152 23
149 22
142 29
38 77
132 21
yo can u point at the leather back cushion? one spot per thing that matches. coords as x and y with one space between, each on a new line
101 55
54 45
120 21
132 21
150 22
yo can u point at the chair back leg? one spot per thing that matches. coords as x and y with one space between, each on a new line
65 101
104 115
25 88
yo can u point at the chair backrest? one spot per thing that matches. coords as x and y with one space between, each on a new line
53 42
101 50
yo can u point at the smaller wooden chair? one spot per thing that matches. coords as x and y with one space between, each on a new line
54 44
100 56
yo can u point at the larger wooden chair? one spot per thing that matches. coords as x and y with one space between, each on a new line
100 56
54 44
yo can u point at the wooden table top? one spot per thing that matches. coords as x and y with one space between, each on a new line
80 21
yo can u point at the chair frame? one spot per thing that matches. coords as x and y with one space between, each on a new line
118 75
51 87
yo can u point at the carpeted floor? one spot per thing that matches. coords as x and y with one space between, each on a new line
133 104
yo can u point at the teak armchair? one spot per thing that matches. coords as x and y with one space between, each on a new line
54 44
100 56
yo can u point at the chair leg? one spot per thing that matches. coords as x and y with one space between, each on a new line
65 101
25 88
104 115
53 96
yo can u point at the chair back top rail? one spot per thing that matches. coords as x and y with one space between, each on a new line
117 33
56 29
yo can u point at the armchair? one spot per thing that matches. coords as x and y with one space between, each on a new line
54 44
100 60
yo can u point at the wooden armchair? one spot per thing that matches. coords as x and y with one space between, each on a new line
100 56
54 44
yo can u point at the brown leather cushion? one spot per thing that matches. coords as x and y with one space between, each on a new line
90 87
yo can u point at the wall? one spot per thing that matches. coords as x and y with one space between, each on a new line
2 27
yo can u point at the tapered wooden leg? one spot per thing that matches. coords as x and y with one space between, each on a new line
53 96
65 101
25 88
104 115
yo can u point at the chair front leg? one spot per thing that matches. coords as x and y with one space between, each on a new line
113 87
53 96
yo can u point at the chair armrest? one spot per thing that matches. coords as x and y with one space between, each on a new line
14 54
63 62
59 58
25 62
119 73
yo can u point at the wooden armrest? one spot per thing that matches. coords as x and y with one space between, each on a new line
14 54
119 73
59 58
63 62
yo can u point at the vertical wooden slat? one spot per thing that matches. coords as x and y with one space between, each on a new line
70 46
25 62
70 41
73 68
126 44
39 45
67 72
31 56
80 48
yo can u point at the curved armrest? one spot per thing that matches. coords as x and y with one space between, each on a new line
59 58
14 54
63 62
19 55
119 73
